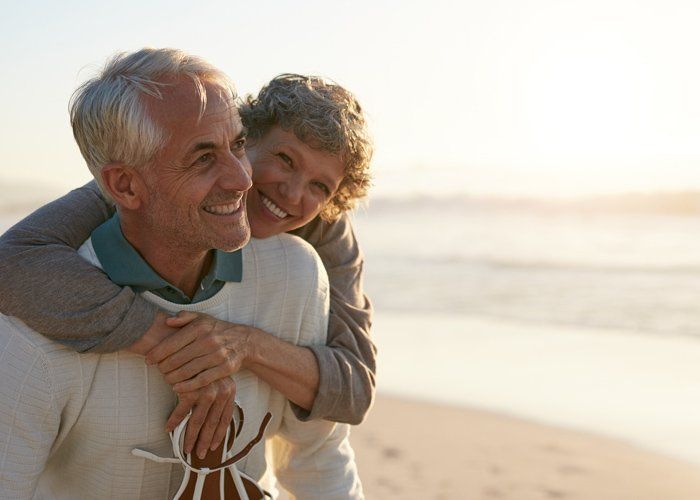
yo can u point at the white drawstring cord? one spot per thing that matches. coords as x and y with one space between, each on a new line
201 472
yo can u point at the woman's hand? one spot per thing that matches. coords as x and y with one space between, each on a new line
204 350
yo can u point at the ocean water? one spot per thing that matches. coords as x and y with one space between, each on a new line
583 319
631 271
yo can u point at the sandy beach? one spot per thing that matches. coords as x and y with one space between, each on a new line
415 450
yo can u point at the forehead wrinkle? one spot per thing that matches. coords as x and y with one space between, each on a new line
183 98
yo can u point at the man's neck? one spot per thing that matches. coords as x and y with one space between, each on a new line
175 264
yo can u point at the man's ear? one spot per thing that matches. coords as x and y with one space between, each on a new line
125 185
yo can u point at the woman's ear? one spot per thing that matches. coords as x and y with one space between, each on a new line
125 185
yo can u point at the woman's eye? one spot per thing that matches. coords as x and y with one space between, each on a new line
285 158
323 188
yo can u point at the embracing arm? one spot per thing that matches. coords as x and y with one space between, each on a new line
333 381
44 281
347 363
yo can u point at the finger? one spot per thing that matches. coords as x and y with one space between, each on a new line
190 369
210 424
224 422
171 345
208 376
199 414
205 346
183 318
180 412
223 361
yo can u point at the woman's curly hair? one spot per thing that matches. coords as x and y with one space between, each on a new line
326 117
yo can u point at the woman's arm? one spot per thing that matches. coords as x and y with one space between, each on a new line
347 364
333 382
41 274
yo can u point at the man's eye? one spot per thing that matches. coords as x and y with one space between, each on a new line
205 158
238 145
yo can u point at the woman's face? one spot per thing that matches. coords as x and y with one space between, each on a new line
292 182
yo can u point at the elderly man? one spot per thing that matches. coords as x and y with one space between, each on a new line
161 134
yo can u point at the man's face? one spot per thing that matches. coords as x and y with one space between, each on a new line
292 182
198 181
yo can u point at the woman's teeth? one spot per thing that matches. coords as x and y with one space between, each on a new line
272 207
223 209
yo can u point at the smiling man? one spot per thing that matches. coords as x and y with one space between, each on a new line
160 132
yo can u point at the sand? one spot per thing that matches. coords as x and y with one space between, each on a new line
415 450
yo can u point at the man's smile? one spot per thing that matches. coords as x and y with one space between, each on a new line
224 209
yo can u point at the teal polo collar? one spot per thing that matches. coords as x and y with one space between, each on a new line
126 267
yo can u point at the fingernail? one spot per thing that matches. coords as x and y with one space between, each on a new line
214 446
202 454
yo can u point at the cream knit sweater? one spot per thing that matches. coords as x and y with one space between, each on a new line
69 421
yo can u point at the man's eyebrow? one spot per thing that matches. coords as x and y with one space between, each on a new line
242 134
212 145
200 146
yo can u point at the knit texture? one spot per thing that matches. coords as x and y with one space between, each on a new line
69 421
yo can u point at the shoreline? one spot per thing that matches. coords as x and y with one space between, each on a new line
637 388
414 449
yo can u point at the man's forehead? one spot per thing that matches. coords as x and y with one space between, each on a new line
183 102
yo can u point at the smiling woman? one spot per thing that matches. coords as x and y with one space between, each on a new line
293 182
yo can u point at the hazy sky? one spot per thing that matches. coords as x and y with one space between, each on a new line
499 96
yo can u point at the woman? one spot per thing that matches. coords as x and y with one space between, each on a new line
310 152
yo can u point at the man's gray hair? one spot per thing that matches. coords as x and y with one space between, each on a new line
110 118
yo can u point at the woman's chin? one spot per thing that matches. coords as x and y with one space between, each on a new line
261 231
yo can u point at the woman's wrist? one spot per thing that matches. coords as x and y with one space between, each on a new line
255 345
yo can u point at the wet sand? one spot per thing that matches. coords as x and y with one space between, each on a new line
416 450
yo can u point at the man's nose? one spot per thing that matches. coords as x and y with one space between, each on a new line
236 173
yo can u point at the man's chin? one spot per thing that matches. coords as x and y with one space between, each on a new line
233 244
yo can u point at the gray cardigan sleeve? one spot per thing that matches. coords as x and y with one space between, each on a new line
347 362
44 281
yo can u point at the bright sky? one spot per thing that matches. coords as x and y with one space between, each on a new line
502 96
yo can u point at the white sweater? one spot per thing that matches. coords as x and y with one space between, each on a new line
69 421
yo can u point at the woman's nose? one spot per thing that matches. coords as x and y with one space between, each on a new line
292 189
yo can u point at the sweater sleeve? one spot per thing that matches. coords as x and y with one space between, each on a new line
52 289
29 420
347 364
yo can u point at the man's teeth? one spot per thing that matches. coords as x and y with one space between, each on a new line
223 209
272 207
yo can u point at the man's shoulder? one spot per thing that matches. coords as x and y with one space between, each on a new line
284 253
14 330
32 351
284 246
